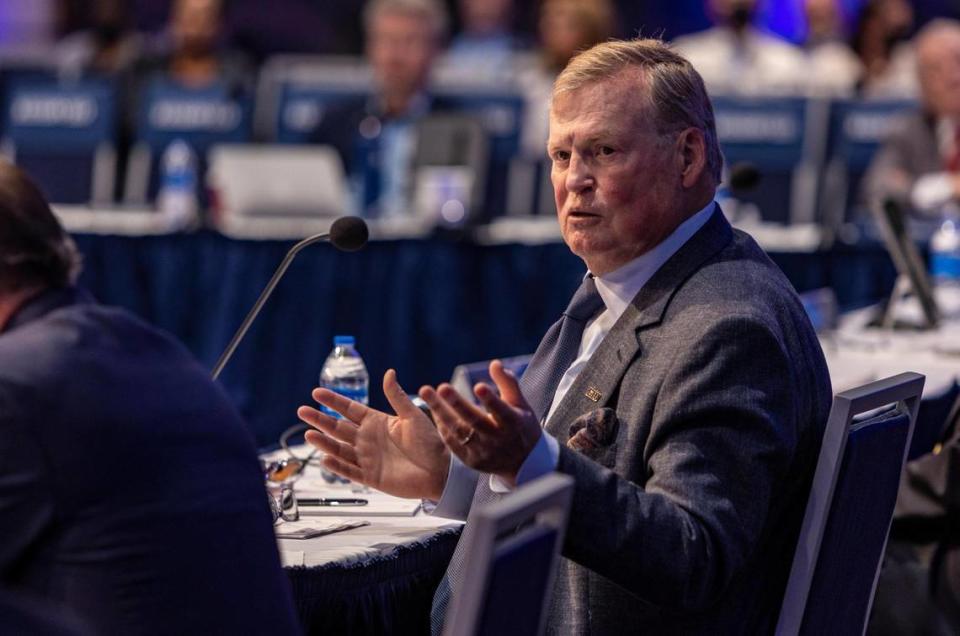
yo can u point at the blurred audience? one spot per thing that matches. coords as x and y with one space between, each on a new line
486 45
130 489
736 58
832 66
881 41
193 53
375 137
919 166
110 47
565 28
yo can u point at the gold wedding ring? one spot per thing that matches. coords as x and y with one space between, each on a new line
469 436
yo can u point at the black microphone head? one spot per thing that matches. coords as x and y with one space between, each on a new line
744 176
349 233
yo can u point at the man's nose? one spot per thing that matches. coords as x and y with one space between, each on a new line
579 175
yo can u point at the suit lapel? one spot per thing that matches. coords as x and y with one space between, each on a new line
601 376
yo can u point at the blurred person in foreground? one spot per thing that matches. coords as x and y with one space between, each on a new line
919 165
684 387
736 58
881 39
130 490
832 66
375 136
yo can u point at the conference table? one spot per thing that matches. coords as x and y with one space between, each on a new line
378 578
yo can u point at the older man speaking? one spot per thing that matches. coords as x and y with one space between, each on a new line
683 387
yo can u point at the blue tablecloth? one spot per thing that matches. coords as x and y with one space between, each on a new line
419 306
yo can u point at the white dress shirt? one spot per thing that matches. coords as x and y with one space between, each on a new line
617 289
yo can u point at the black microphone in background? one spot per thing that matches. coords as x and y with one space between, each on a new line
348 233
744 177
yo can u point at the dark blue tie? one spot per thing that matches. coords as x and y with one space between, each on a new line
553 357
559 348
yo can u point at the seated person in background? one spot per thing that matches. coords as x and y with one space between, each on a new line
194 54
684 388
919 165
736 58
486 46
110 47
375 136
881 41
832 66
565 28
130 490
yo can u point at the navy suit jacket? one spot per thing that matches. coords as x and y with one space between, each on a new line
130 490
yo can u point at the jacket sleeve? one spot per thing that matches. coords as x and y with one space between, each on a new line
26 505
721 441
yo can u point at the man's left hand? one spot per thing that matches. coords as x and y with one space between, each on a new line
495 439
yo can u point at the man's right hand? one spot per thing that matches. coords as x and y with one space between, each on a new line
400 454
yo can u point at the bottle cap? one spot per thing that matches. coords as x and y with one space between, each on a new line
343 340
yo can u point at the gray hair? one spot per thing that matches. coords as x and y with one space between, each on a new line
676 92
431 10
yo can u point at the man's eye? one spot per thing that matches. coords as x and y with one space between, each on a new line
605 150
561 155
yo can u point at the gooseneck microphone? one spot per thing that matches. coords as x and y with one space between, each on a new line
348 234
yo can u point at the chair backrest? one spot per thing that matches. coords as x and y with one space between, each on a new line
64 135
857 130
784 139
512 561
845 527
201 117
466 376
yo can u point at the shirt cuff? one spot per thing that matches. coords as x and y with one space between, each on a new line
932 191
542 460
457 492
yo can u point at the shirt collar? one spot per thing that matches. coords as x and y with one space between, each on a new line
43 303
619 287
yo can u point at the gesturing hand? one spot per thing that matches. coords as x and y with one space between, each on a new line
399 454
497 441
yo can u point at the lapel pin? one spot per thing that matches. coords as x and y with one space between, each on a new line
593 394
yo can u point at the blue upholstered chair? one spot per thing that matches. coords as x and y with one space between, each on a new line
202 117
783 138
512 561
845 527
63 135
856 131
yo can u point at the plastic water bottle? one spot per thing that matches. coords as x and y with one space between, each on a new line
345 373
945 253
177 197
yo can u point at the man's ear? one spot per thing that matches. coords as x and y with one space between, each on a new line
692 156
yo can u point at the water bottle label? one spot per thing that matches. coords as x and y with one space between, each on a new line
945 265
357 395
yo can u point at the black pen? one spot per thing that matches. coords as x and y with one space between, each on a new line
331 502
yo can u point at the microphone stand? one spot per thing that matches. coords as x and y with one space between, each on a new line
264 295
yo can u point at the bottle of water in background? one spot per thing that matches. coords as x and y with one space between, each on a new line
945 253
177 197
345 373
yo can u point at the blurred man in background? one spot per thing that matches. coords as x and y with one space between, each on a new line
130 490
919 166
736 58
375 136
485 48
881 39
109 48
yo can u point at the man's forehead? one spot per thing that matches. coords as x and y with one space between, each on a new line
617 97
